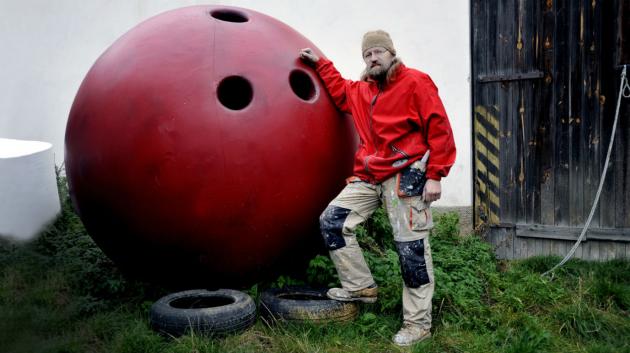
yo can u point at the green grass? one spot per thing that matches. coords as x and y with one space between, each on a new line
59 293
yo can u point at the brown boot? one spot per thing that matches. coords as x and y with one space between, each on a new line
365 295
411 334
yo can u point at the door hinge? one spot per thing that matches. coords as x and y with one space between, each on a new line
531 75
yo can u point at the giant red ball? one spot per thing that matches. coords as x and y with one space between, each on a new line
200 146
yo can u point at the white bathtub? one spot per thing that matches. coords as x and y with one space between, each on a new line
28 188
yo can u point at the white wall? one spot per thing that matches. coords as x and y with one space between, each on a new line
48 47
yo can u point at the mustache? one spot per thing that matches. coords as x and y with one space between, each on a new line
377 68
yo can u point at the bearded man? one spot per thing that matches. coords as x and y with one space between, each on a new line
406 148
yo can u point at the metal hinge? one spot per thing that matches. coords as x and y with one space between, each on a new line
531 75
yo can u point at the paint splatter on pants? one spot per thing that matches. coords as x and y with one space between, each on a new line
411 221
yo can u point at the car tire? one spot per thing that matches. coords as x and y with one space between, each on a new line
218 312
299 305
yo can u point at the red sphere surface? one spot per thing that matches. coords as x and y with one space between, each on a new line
199 145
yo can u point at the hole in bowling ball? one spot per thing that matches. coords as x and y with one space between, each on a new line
229 16
235 92
302 84
201 302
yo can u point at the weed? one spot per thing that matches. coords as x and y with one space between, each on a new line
321 272
612 284
525 334
137 338
580 320
607 347
285 281
523 290
60 293
464 267
386 272
446 226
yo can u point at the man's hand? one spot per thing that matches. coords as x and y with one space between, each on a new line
308 56
432 190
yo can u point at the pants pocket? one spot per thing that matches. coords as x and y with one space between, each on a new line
420 217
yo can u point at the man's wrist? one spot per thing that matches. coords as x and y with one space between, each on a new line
432 176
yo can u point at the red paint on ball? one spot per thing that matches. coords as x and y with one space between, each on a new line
200 146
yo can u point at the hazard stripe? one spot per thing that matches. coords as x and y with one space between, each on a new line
488 141
490 191
485 126
491 119
487 167
487 164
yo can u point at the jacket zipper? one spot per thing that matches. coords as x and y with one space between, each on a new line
397 150
372 104
365 163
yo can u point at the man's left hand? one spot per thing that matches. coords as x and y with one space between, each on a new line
432 191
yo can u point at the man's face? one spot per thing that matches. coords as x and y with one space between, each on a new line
377 61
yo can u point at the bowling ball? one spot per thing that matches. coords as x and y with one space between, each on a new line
200 148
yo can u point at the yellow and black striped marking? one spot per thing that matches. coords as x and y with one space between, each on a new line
487 201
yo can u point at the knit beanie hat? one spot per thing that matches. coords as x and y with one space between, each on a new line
377 38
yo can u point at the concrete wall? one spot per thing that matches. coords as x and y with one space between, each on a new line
48 47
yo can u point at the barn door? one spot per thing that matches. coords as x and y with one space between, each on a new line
507 79
544 95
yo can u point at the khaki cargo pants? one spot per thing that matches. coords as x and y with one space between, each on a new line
411 221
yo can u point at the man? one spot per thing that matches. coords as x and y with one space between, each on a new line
406 147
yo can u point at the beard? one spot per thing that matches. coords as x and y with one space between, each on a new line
381 76
377 73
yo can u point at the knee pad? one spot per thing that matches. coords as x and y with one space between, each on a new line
331 224
412 263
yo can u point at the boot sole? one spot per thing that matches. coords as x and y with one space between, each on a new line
413 342
366 300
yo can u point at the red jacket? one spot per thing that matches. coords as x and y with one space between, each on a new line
392 124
